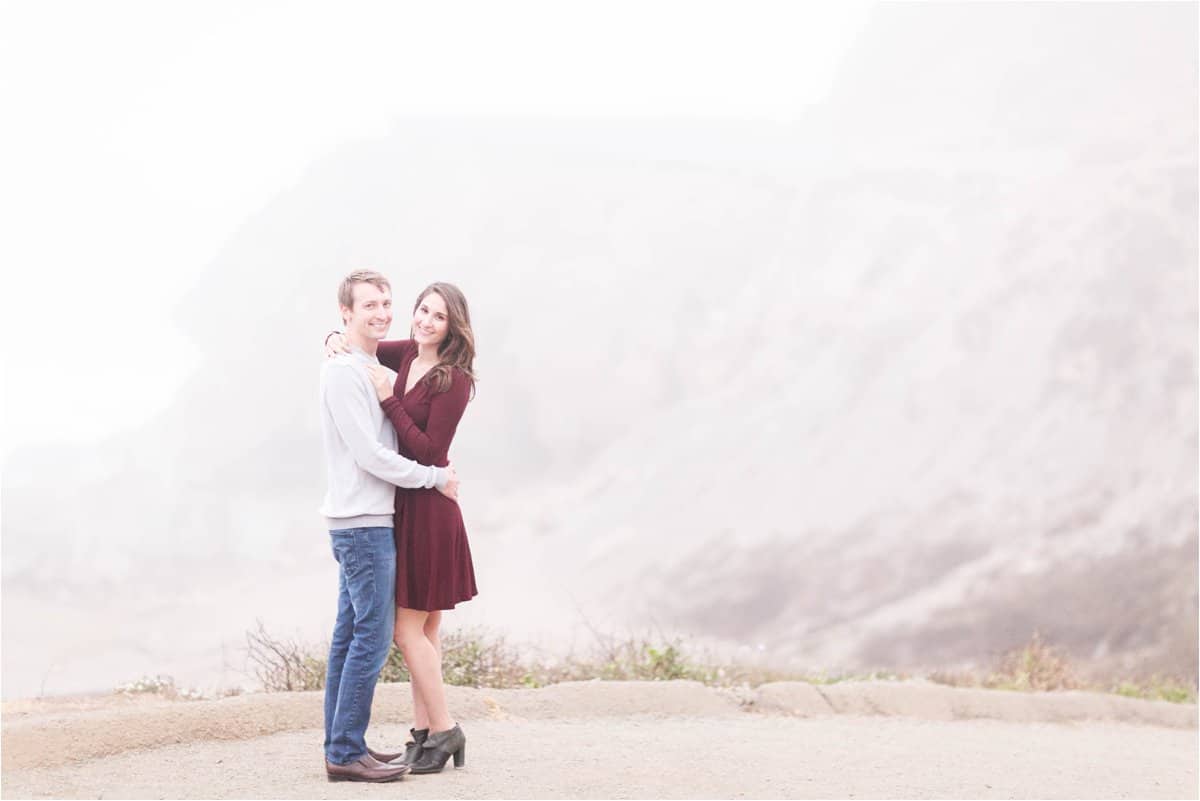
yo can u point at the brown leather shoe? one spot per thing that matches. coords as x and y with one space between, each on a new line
385 758
365 769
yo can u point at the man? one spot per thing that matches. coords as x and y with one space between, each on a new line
363 470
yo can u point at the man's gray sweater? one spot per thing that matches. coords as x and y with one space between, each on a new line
362 465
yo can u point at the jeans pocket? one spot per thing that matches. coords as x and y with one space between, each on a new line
344 551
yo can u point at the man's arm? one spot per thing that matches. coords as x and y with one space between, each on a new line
343 395
391 351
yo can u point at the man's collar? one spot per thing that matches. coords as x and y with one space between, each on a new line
361 355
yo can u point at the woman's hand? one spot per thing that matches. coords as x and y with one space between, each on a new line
336 343
383 379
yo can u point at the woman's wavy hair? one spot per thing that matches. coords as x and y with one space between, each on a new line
458 348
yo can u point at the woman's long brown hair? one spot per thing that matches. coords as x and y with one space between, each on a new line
458 348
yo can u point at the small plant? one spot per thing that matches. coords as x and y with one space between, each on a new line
159 685
667 663
1157 688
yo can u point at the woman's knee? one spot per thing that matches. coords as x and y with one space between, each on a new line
409 630
432 626
403 638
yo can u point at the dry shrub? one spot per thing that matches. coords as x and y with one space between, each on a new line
1035 666
283 665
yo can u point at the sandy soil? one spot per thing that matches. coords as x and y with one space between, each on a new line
622 740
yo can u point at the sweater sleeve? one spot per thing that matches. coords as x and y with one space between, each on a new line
445 410
391 352
348 406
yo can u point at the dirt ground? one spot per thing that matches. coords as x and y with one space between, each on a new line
624 740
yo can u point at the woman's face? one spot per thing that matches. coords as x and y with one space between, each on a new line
430 322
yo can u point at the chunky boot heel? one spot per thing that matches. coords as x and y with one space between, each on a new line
437 749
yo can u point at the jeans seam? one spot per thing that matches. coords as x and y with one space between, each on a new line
361 678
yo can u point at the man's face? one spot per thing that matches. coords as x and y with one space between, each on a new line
371 316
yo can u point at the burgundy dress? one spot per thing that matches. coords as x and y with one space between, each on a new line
433 559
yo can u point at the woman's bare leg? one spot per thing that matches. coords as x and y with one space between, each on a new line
424 665
431 628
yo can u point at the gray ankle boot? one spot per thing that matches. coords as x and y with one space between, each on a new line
437 748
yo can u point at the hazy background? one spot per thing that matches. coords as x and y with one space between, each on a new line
831 336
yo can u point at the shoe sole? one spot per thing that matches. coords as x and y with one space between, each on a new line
433 770
334 778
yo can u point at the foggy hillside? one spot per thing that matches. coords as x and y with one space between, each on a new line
891 386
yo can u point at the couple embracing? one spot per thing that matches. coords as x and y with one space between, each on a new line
394 523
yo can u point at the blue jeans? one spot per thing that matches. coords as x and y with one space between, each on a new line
361 638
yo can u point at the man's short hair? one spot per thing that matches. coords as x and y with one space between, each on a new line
346 290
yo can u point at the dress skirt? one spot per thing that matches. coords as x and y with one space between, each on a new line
433 558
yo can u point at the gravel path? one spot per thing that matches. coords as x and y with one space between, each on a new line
754 756
624 740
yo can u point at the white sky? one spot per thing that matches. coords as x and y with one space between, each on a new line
137 136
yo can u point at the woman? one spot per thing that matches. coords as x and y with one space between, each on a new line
434 381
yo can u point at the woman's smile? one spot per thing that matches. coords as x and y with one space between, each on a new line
430 320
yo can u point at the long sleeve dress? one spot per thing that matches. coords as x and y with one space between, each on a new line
433 558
